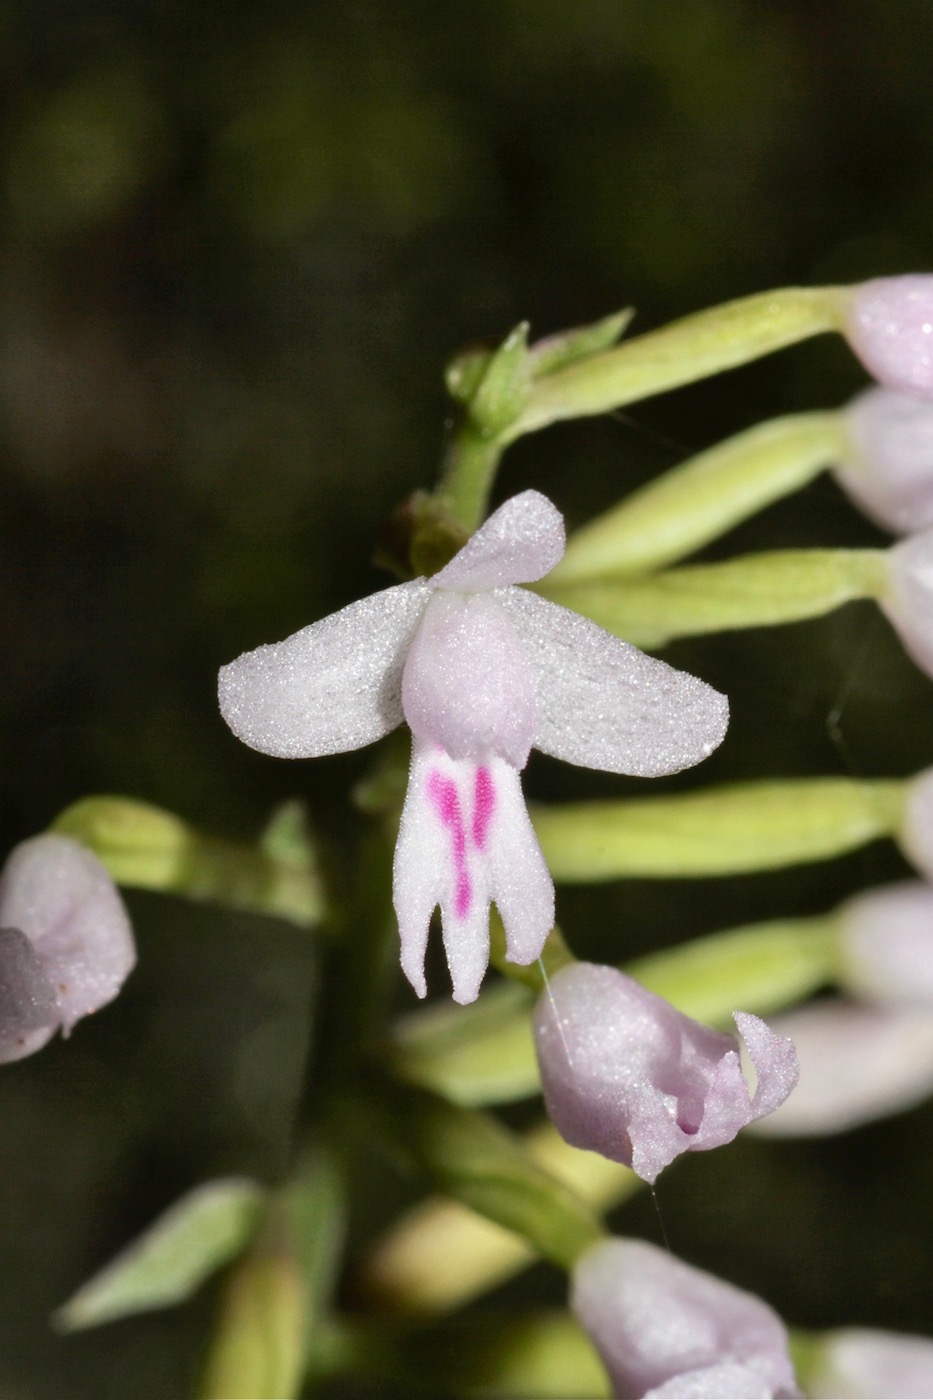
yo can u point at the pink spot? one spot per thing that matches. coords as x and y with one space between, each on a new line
443 793
484 801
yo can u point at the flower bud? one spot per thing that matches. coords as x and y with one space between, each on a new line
916 832
66 946
886 945
858 1364
663 1328
857 1063
888 466
889 325
627 1075
908 601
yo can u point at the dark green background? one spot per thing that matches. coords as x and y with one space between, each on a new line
238 243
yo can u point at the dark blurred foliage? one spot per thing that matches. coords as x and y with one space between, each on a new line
238 242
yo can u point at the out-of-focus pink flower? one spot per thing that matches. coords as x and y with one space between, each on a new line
886 945
859 1364
482 671
889 325
857 1063
908 600
664 1329
66 946
627 1075
888 469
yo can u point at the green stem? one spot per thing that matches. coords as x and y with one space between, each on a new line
703 497
468 475
757 590
681 353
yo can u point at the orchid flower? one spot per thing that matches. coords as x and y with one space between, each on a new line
482 671
665 1329
66 945
626 1074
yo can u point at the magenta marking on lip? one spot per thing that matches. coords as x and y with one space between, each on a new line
484 801
443 793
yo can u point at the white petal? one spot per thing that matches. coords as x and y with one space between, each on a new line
62 898
520 542
331 687
603 703
468 684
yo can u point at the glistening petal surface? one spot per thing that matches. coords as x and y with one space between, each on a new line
333 686
605 704
520 542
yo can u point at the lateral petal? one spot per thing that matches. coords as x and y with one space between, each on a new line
333 686
603 703
520 542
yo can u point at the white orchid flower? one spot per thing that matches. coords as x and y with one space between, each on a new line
482 672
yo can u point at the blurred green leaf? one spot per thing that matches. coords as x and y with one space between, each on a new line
172 1258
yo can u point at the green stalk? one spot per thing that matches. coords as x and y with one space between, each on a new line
703 498
693 348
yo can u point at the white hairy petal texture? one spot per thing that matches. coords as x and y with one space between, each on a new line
333 686
886 944
605 704
888 470
627 1075
890 328
28 1006
861 1364
663 1328
857 1064
520 542
909 603
465 839
60 896
468 685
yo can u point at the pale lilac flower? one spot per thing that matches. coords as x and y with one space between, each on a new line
908 600
66 946
916 832
888 467
889 325
860 1364
858 1063
627 1075
886 945
664 1329
482 672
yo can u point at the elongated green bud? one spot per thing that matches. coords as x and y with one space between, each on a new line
686 350
723 831
704 497
756 590
146 847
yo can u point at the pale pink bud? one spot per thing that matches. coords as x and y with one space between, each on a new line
858 1364
857 1063
888 468
663 1328
66 946
916 833
889 325
627 1075
886 944
908 602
